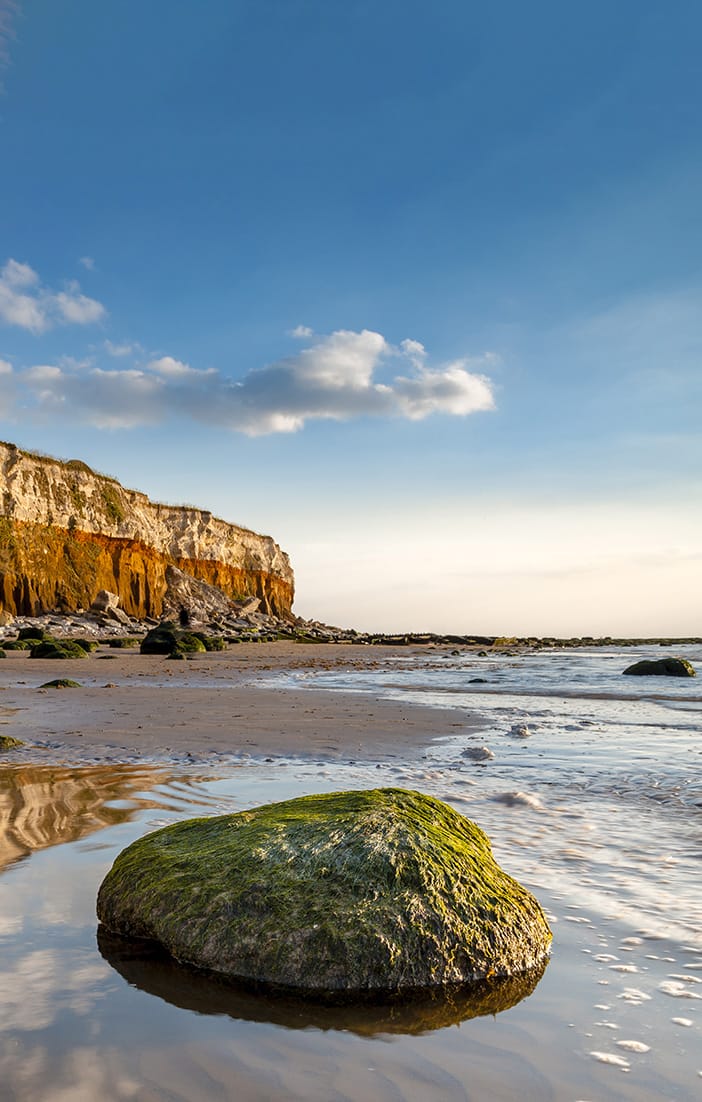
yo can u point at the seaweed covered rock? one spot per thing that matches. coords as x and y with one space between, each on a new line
58 648
210 642
166 638
161 639
347 892
7 742
661 667
33 634
189 643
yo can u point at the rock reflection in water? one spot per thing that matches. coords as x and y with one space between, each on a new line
42 806
145 966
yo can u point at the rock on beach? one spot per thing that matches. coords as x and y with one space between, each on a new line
342 893
661 667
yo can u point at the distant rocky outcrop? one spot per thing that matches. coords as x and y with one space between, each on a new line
66 533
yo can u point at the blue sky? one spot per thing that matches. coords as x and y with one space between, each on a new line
414 288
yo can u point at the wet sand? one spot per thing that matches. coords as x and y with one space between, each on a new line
133 707
597 813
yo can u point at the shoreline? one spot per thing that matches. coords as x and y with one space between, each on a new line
133 713
226 707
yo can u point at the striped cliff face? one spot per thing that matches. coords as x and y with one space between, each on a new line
67 532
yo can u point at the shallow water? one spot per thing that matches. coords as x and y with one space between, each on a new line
598 812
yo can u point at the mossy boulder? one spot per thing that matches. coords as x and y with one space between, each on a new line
2 653
210 642
61 683
7 742
161 639
189 643
22 644
347 893
166 638
54 648
33 633
661 667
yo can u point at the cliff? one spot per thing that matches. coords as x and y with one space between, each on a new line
67 532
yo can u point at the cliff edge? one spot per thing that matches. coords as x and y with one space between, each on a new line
67 532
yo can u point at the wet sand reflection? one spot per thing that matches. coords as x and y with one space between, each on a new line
42 806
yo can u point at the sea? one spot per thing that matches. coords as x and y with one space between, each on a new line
587 781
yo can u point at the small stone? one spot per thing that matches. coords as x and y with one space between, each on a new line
520 730
478 753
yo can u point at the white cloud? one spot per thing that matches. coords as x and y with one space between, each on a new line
176 369
301 332
88 263
119 350
15 274
26 303
334 378
451 390
77 308
16 306
42 373
5 367
414 351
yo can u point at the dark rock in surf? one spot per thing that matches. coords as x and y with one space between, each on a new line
661 667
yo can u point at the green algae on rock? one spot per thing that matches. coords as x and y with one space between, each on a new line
665 667
7 742
166 638
61 683
58 648
346 892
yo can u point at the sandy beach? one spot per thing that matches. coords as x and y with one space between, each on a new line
576 812
133 707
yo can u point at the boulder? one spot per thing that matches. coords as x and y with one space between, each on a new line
32 634
7 742
247 606
161 639
192 601
168 639
661 667
58 648
345 893
6 618
104 601
117 614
